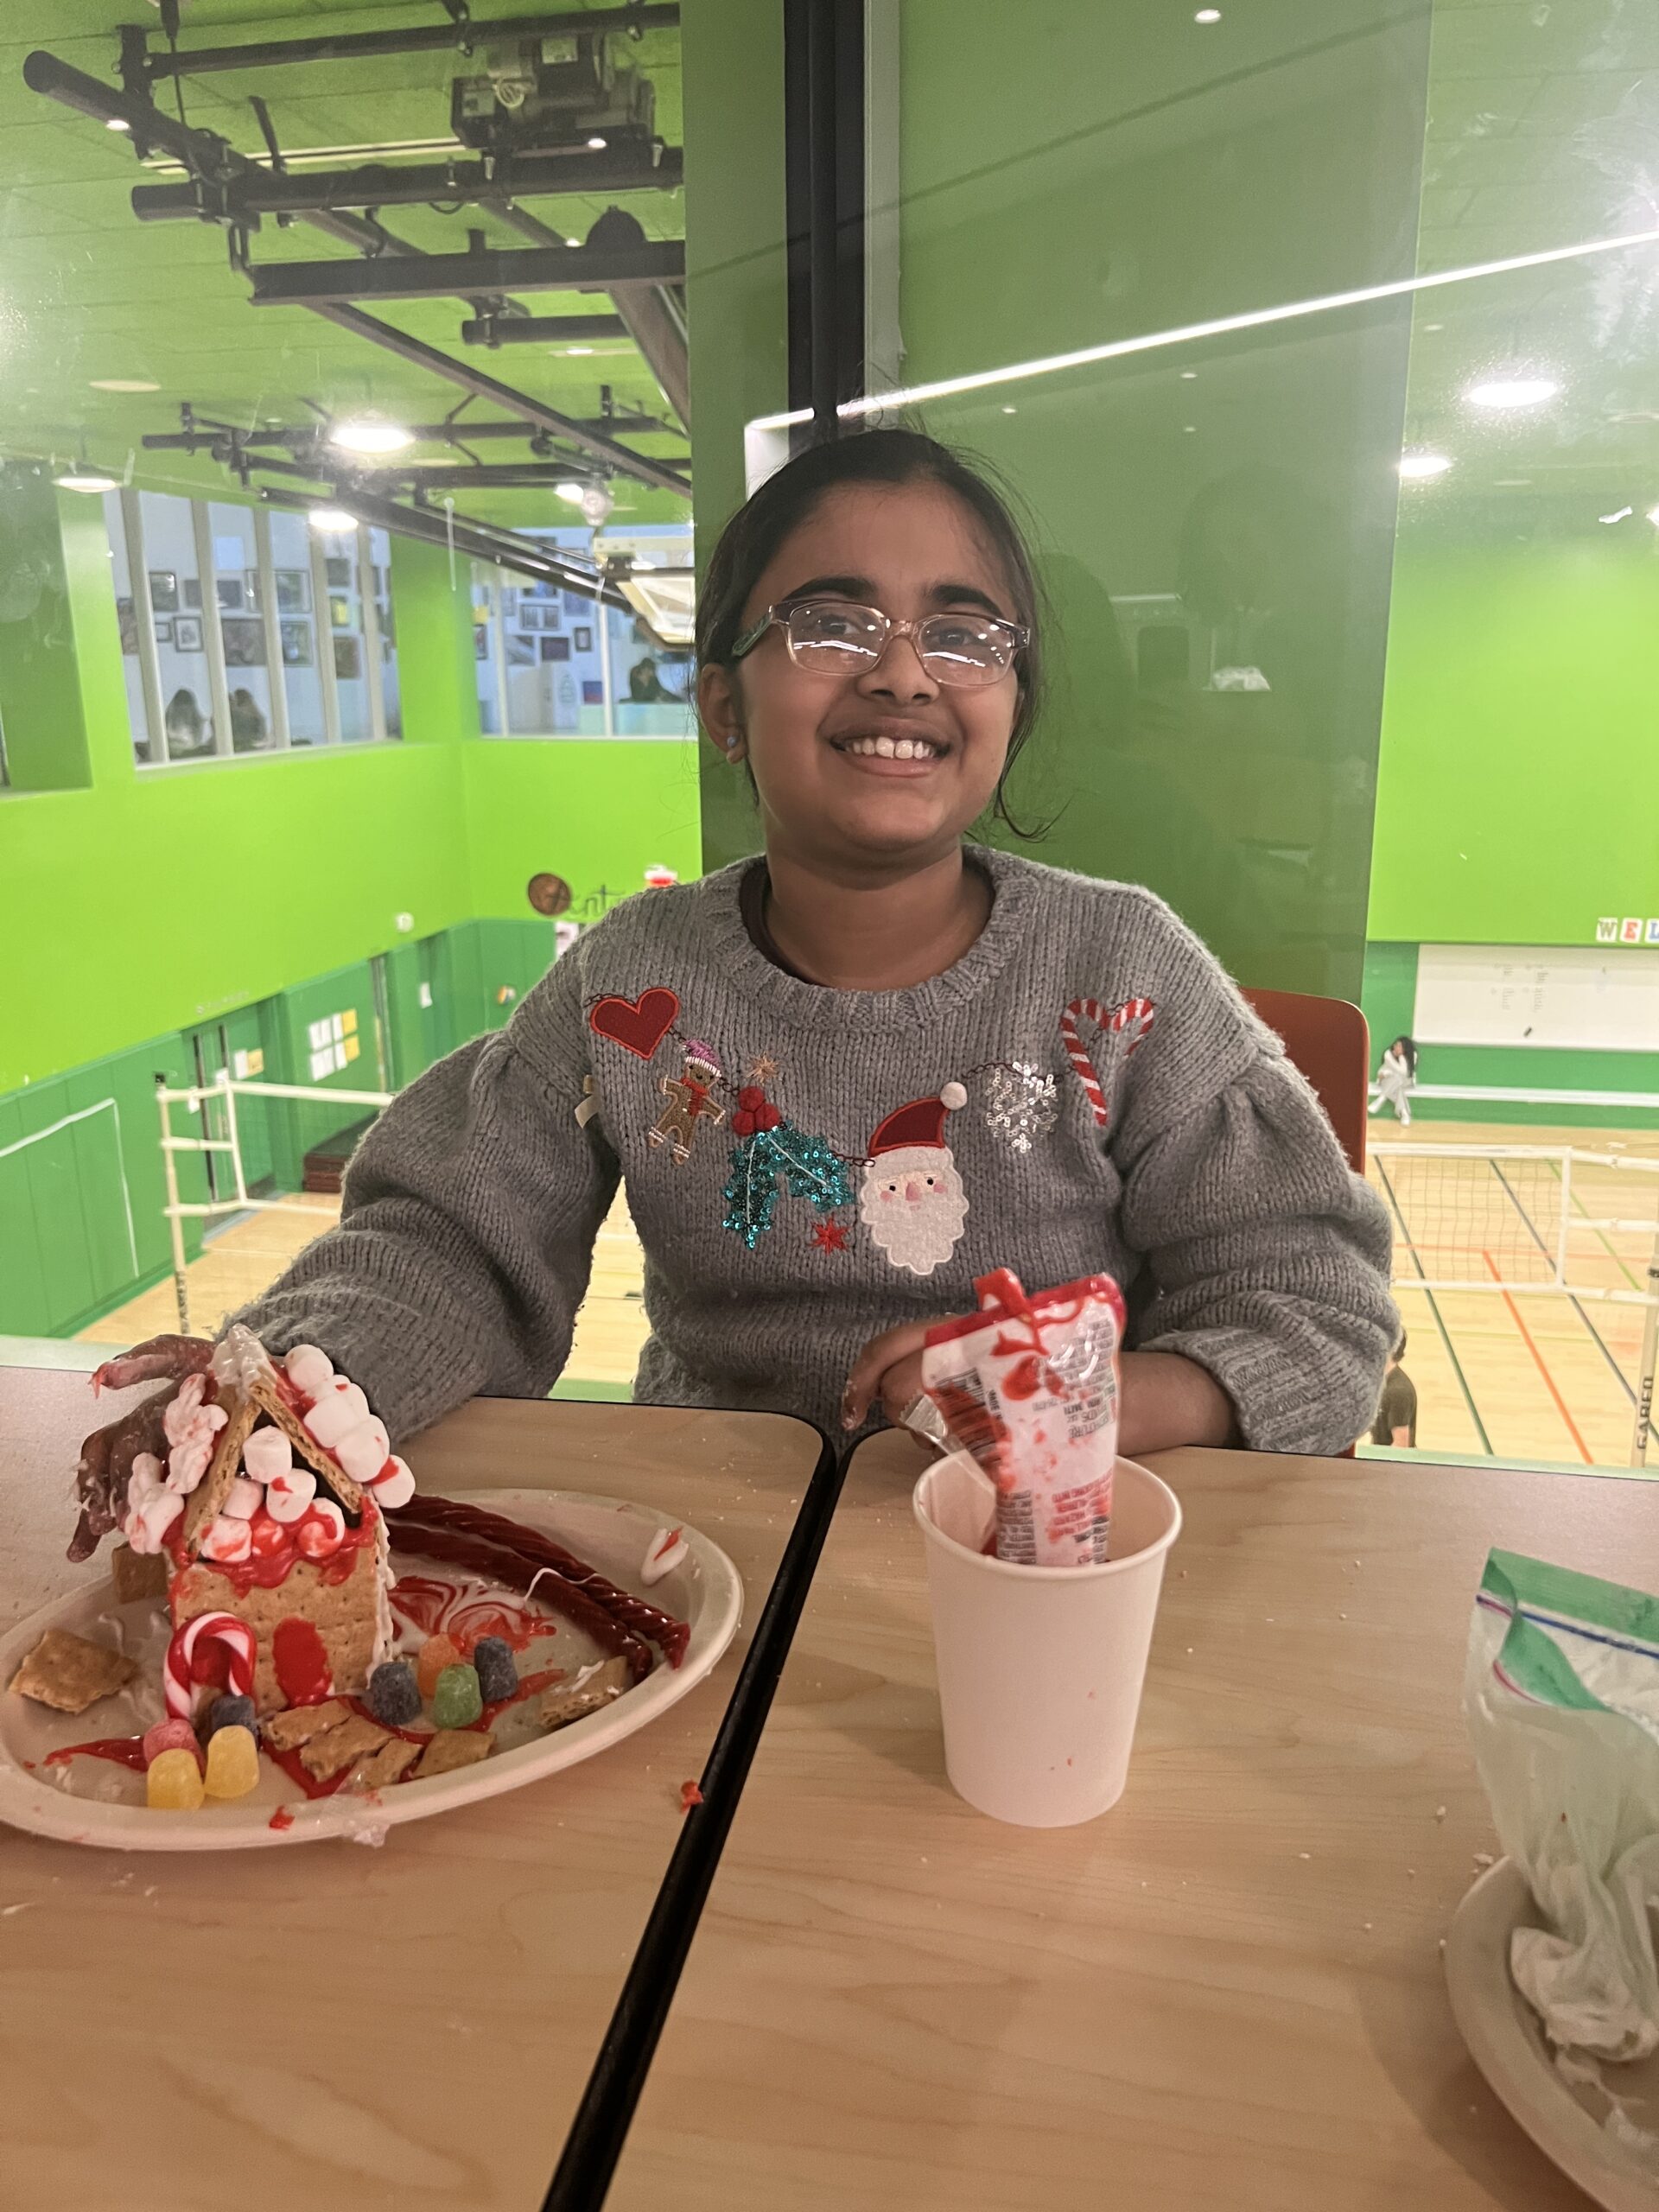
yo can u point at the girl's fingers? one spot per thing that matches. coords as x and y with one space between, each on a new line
901 1385
175 1357
865 1383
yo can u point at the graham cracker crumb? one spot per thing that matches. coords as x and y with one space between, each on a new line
69 1674
286 1732
453 1747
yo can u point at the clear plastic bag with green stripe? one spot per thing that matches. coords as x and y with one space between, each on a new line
1561 1695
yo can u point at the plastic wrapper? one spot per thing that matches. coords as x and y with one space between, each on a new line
1029 1387
1561 1695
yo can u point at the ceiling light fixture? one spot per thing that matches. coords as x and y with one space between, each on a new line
1189 376
368 435
1208 16
1009 410
578 349
1497 392
117 123
597 145
572 491
86 480
1421 468
333 522
123 384
1617 515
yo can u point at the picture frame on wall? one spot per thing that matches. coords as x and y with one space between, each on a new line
584 637
338 569
555 648
575 603
339 612
163 591
593 694
297 645
293 592
187 634
480 641
521 651
163 629
529 617
232 594
244 641
126 616
348 658
190 594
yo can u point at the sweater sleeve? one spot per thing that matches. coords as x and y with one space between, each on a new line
465 1240
1268 1258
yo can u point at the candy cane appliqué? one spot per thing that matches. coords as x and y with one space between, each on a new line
1126 1027
221 1628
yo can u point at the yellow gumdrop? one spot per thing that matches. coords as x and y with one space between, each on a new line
173 1782
232 1763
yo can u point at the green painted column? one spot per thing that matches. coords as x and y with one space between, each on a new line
41 710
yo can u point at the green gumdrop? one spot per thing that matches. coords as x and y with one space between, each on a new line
457 1701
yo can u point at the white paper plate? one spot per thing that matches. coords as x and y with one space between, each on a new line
1565 2120
613 1536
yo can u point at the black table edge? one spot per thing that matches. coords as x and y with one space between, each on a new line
599 2129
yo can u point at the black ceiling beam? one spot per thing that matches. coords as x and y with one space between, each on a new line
503 549
442 275
540 329
462 430
436 38
379 184
504 476
483 386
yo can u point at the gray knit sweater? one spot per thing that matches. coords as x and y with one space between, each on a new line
1084 1091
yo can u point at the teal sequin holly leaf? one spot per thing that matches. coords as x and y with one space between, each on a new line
806 1164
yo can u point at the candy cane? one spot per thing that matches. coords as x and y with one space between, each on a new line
222 1628
1128 1023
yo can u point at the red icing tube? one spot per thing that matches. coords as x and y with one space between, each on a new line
425 1511
500 1563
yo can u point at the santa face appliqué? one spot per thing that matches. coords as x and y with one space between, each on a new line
911 1198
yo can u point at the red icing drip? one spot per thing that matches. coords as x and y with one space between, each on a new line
690 1796
281 1820
272 1570
121 1751
301 1663
530 1685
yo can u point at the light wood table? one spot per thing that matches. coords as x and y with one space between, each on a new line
1226 1994
334 2026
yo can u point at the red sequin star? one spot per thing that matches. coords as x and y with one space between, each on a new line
830 1235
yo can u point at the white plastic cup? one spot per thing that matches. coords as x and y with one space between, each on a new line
1041 1667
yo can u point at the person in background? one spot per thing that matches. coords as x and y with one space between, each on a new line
1396 1412
1396 1078
248 727
188 729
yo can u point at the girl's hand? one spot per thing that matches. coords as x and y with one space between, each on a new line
889 1373
107 1455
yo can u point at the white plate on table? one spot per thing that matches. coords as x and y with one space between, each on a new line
1506 2041
611 1535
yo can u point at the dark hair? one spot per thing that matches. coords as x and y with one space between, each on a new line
1410 1054
786 499
1400 1345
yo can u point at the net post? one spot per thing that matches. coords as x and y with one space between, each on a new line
1562 1227
1644 1434
174 1220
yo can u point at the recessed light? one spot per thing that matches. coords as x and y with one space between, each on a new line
1617 515
368 435
1189 429
85 480
123 384
117 123
1512 391
571 491
1189 376
1009 410
1434 326
578 349
332 522
1208 16
1419 468
597 145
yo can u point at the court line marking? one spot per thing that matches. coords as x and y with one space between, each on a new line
1440 1318
1538 1361
1604 1348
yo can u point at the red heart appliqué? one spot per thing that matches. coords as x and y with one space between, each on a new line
637 1025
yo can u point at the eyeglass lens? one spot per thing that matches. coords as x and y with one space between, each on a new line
842 640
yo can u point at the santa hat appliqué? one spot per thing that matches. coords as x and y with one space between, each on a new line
920 1122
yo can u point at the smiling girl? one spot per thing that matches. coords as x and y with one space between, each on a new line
842 1080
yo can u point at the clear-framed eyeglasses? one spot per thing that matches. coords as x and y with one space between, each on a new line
829 637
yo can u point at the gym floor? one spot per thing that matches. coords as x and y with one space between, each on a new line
1501 1372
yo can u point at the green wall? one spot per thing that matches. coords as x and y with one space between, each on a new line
1518 792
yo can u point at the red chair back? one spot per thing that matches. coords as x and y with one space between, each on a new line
1328 1040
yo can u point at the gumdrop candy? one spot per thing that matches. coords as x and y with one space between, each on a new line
457 1701
232 1761
497 1670
436 1654
227 1713
173 1782
170 1735
394 1695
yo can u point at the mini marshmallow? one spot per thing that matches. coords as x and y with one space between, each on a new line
322 1530
396 1489
289 1496
267 1454
148 1475
341 1406
242 1499
310 1370
186 1466
149 1520
363 1451
227 1541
